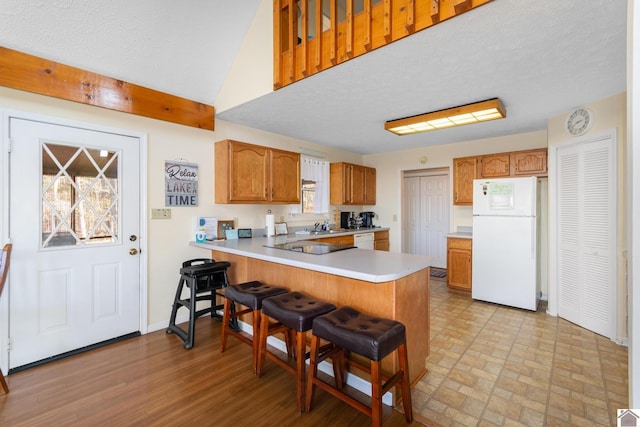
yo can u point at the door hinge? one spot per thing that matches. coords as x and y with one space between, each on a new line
9 145
9 341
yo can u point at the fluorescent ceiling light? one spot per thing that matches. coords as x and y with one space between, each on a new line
483 111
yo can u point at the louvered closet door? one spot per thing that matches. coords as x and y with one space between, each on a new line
587 234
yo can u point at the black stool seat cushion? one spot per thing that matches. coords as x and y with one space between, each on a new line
251 294
369 336
205 269
295 310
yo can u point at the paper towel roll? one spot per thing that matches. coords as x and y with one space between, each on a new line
271 225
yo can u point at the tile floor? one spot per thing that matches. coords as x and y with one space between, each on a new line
497 366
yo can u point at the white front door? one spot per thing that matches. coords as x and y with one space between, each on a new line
74 225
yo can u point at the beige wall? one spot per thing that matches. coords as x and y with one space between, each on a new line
167 240
389 169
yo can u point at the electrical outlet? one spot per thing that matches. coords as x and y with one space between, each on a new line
395 218
161 213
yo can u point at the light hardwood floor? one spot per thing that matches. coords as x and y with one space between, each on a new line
152 380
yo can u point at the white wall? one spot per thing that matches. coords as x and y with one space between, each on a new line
633 208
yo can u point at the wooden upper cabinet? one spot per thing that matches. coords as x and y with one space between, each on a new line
352 184
495 166
247 173
528 163
285 176
465 170
369 186
357 184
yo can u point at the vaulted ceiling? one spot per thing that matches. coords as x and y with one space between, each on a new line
541 58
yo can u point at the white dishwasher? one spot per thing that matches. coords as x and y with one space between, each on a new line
363 240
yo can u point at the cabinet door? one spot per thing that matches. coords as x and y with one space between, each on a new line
495 166
357 184
369 186
528 163
465 170
459 263
285 176
248 172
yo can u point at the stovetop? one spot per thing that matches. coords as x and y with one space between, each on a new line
307 247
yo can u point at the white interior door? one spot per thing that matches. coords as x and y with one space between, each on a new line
426 216
74 225
586 241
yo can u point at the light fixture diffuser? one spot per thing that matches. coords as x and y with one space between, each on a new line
483 111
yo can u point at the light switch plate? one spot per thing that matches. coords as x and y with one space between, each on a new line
161 213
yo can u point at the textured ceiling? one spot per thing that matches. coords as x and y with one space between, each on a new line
541 58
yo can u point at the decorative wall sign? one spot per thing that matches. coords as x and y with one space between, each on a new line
181 183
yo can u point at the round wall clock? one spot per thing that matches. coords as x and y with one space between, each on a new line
579 121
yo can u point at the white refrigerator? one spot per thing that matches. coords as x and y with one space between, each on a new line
505 242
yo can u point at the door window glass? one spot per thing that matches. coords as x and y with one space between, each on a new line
79 197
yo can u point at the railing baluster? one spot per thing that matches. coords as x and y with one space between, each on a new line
277 44
293 42
333 48
304 20
318 55
349 32
387 21
435 11
367 24
411 16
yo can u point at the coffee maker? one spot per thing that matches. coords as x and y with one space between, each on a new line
367 219
346 220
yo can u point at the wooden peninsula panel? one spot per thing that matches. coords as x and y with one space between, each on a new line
405 300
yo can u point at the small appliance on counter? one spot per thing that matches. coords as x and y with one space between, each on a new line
345 218
367 219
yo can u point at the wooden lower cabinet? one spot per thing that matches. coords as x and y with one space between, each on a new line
381 241
459 264
336 240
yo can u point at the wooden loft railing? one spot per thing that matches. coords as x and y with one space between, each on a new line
347 29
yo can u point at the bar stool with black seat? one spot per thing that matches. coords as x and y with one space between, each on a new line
250 295
205 278
294 313
371 337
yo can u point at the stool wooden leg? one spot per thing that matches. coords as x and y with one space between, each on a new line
5 387
406 389
376 395
313 371
301 347
225 324
257 333
262 344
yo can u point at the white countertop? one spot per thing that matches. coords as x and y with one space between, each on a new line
361 264
459 235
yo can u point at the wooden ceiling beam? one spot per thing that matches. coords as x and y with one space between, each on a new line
45 77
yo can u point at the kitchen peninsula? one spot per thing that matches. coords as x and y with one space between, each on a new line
386 284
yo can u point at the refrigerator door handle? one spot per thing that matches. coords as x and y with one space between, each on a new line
533 240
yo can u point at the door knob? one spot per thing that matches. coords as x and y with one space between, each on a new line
133 251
